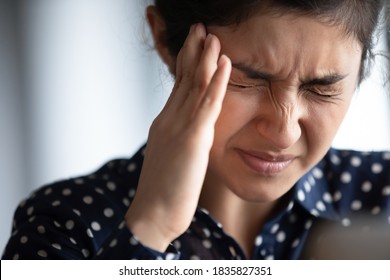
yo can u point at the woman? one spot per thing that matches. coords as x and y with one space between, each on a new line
238 164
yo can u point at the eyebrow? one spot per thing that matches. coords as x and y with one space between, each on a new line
326 80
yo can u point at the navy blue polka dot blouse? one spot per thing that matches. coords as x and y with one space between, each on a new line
339 209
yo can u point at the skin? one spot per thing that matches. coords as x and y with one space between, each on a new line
239 129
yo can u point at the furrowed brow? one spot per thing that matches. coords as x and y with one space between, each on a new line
326 80
255 74
252 73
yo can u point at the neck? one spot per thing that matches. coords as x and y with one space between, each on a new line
241 219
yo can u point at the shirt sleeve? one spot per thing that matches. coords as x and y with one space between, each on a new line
46 227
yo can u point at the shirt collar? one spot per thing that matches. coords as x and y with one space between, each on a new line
313 192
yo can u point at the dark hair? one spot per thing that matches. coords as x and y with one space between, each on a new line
358 17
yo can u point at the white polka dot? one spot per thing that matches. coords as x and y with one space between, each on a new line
16 257
77 212
335 159
274 228
90 233
346 222
111 186
66 192
96 226
131 167
88 199
307 186
56 246
73 241
346 177
207 244
48 191
99 191
113 243
386 156
41 229
259 240
217 235
100 252
126 201
56 203
317 173
337 196
23 239
308 224
281 236
57 224
327 197
295 243
31 219
177 244
356 161
356 205
290 206
206 232
85 253
314 212
270 257
312 181
366 186
232 251
301 195
22 203
42 253
69 225
79 181
133 241
131 193
108 212
121 225
170 256
194 258
386 191
376 210
30 210
320 206
376 168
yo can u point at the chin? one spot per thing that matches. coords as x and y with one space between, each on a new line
259 194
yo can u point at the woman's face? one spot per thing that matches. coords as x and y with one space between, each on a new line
291 84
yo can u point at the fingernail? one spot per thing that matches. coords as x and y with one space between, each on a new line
193 27
208 39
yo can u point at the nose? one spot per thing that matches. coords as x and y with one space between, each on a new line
280 126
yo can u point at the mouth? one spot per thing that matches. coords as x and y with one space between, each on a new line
265 163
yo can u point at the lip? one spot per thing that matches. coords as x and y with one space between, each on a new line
266 163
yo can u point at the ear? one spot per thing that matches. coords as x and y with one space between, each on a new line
158 28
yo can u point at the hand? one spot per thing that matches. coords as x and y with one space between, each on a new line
179 143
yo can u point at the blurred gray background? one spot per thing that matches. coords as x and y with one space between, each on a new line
80 84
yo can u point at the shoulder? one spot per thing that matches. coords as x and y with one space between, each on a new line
83 210
113 182
359 180
352 167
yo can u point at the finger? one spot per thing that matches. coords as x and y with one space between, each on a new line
208 64
186 63
211 104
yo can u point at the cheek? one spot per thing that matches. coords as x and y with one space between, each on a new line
322 123
236 114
